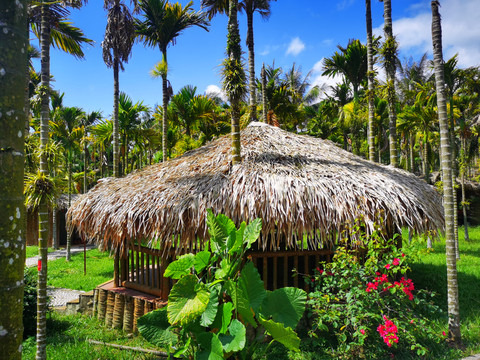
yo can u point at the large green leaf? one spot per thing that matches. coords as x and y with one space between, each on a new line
219 228
252 232
285 305
180 267
201 261
223 318
252 285
210 312
187 300
212 347
247 293
235 341
280 333
155 328
238 239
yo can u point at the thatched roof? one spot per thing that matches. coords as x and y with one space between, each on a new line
299 185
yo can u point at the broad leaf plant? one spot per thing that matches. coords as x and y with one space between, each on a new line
218 307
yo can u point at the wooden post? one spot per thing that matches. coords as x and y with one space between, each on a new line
118 311
95 302
128 315
110 307
102 304
139 307
275 269
116 268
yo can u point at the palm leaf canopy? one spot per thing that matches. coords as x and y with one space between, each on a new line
161 22
303 188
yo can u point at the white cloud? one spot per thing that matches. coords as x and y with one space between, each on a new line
296 46
460 32
214 90
342 5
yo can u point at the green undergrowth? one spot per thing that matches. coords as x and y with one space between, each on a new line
70 275
68 335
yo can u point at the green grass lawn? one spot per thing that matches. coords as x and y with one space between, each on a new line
68 335
33 251
70 274
430 272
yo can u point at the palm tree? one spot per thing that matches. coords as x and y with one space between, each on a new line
66 127
263 8
13 57
87 121
129 119
160 24
389 52
452 282
117 46
350 62
371 80
51 15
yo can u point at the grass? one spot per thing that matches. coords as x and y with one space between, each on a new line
430 272
68 335
63 274
33 251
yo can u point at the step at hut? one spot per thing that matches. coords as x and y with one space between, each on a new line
306 191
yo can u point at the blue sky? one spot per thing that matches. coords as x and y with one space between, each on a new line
299 31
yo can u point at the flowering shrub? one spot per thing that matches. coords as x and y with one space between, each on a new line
367 307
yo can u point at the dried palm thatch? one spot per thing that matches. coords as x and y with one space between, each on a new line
303 188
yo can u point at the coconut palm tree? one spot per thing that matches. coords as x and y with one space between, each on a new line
250 7
452 282
88 119
389 52
371 80
160 24
117 46
13 57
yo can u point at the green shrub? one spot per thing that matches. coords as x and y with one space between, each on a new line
30 302
219 307
369 308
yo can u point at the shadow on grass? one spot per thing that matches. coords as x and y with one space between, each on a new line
434 278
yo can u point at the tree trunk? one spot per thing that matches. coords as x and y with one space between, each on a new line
164 108
234 53
13 62
464 208
85 167
452 283
454 175
43 209
371 88
69 234
390 69
251 66
116 160
264 95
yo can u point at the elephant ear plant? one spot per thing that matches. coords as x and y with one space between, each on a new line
218 295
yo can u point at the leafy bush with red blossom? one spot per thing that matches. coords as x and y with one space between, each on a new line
365 305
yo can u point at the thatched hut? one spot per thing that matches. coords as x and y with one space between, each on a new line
305 190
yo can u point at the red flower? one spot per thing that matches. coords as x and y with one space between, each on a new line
444 333
396 262
388 332
403 255
363 331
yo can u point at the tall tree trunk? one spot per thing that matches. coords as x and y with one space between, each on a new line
234 53
69 234
264 95
85 167
13 62
412 152
390 50
454 174
251 66
116 159
371 88
43 209
464 209
452 283
166 98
